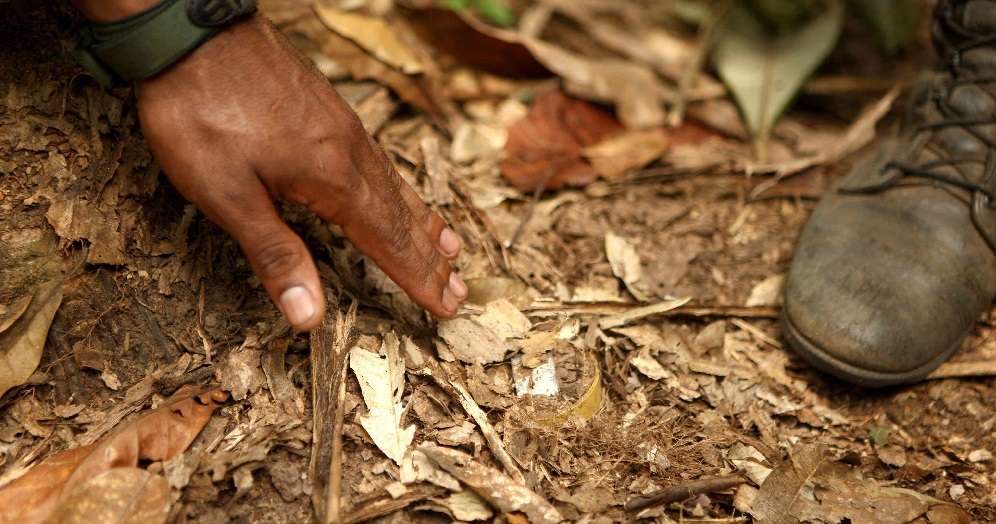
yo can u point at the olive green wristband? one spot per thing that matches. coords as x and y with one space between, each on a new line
143 45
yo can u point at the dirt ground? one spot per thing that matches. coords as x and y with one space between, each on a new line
152 289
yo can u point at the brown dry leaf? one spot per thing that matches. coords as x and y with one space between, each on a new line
504 320
382 381
160 435
948 514
418 468
473 43
856 136
767 292
466 506
437 187
374 34
841 494
481 291
545 148
783 487
633 88
620 154
121 495
625 263
421 91
649 366
278 382
492 485
10 313
241 372
471 342
632 315
22 343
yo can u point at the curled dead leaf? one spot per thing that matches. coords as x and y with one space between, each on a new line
161 434
545 148
13 311
22 343
121 495
617 155
633 88
373 34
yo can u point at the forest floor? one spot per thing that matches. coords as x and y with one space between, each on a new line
156 301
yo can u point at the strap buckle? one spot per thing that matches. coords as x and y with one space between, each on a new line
216 13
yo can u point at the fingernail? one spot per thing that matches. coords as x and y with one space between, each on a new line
298 305
457 286
450 301
449 241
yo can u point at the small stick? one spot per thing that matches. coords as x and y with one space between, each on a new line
684 491
985 368
435 371
537 193
333 500
705 37
168 385
329 349
384 507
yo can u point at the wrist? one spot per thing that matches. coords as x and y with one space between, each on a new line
112 10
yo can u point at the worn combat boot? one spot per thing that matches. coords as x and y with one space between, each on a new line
897 263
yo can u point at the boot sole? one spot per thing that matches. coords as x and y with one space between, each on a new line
822 360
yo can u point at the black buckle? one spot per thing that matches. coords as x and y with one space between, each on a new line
217 13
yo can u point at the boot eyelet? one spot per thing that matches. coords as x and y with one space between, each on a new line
984 217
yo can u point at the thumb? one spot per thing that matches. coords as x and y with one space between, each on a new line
282 262
277 255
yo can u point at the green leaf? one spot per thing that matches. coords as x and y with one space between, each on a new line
763 70
495 12
878 434
691 12
784 15
456 5
894 21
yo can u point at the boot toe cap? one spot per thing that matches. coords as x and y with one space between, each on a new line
864 303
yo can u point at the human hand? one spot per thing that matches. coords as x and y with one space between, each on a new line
245 119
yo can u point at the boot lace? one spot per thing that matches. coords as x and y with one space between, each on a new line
951 118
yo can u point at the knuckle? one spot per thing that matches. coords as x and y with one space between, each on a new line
276 259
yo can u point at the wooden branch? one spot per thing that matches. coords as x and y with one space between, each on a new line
684 491
329 350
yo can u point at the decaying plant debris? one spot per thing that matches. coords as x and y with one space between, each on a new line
645 302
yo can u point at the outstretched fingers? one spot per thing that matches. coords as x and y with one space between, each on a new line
409 242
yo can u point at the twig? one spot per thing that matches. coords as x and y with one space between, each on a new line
329 344
706 35
613 308
384 507
333 498
984 368
201 332
168 385
684 491
641 312
435 371
757 333
533 201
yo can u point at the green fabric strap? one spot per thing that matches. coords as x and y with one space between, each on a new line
142 45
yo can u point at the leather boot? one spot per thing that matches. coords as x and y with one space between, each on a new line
897 264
